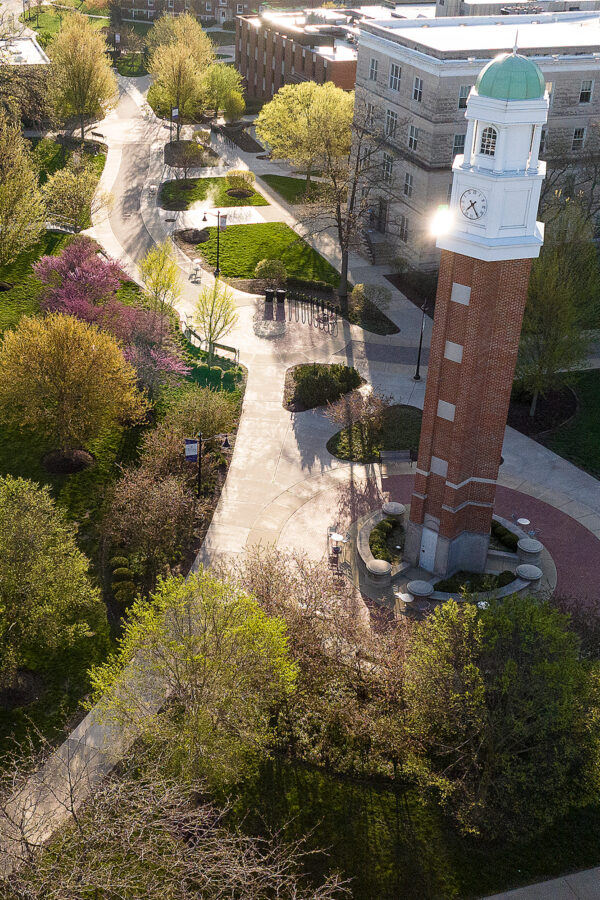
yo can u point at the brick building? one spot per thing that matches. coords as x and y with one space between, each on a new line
207 11
416 76
487 247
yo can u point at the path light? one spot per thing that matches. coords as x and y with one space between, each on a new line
221 226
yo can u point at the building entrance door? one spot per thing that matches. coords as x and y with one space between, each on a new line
428 547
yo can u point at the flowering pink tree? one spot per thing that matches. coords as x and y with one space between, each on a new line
78 273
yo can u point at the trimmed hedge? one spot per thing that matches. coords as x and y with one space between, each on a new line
504 536
122 574
119 562
319 383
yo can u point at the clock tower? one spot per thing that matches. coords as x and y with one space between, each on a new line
482 289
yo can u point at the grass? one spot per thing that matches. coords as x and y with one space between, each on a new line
579 440
243 246
400 431
222 38
49 22
131 65
181 194
473 582
393 844
49 156
386 541
23 298
293 190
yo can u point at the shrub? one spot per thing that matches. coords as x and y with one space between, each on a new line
474 581
215 375
121 574
234 106
308 284
318 384
229 380
378 539
240 180
504 536
202 372
272 270
125 592
119 562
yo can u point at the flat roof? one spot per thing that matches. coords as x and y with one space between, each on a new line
23 52
340 53
559 32
419 10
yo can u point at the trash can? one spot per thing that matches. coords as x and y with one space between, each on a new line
280 295
269 294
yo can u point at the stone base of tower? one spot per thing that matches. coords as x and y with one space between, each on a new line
467 551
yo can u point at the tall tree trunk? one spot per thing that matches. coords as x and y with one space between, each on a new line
534 401
82 122
308 174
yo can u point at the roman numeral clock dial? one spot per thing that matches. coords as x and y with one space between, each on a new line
473 204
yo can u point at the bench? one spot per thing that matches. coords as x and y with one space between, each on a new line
387 456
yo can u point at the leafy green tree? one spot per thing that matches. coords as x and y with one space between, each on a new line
82 82
69 195
161 278
221 660
215 314
22 214
65 380
502 714
185 30
553 342
234 106
220 83
47 601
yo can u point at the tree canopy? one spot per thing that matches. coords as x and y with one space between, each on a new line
47 601
22 214
65 380
220 83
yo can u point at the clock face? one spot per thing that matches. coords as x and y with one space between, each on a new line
473 204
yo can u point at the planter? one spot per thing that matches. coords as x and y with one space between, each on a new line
240 194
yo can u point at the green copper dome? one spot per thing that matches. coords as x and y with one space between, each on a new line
511 77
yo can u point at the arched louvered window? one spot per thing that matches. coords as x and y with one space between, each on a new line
489 136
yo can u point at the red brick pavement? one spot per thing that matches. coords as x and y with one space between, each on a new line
574 549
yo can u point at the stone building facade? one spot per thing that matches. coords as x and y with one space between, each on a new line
416 76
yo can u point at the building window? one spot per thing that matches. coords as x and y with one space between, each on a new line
408 185
403 229
391 123
413 138
578 139
449 193
458 145
585 94
373 66
463 94
418 89
543 139
388 167
395 73
487 146
370 116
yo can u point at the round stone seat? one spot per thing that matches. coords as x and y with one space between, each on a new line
528 572
420 590
529 551
379 571
394 510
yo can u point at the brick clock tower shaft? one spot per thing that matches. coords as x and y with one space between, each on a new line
491 237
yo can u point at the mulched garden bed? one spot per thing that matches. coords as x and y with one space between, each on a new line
553 410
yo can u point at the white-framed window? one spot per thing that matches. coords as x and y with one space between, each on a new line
388 168
370 116
391 122
395 75
487 145
585 94
413 137
459 144
408 184
240 7
418 89
543 139
463 93
171 4
403 229
449 193
578 139
373 66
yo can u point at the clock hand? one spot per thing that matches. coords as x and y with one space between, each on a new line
472 205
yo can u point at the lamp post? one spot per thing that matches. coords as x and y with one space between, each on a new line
193 452
220 225
417 375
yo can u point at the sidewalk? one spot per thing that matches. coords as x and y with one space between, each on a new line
580 886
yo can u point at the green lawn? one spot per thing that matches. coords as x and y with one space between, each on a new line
243 246
401 431
181 194
293 190
579 441
23 298
131 65
49 22
49 156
